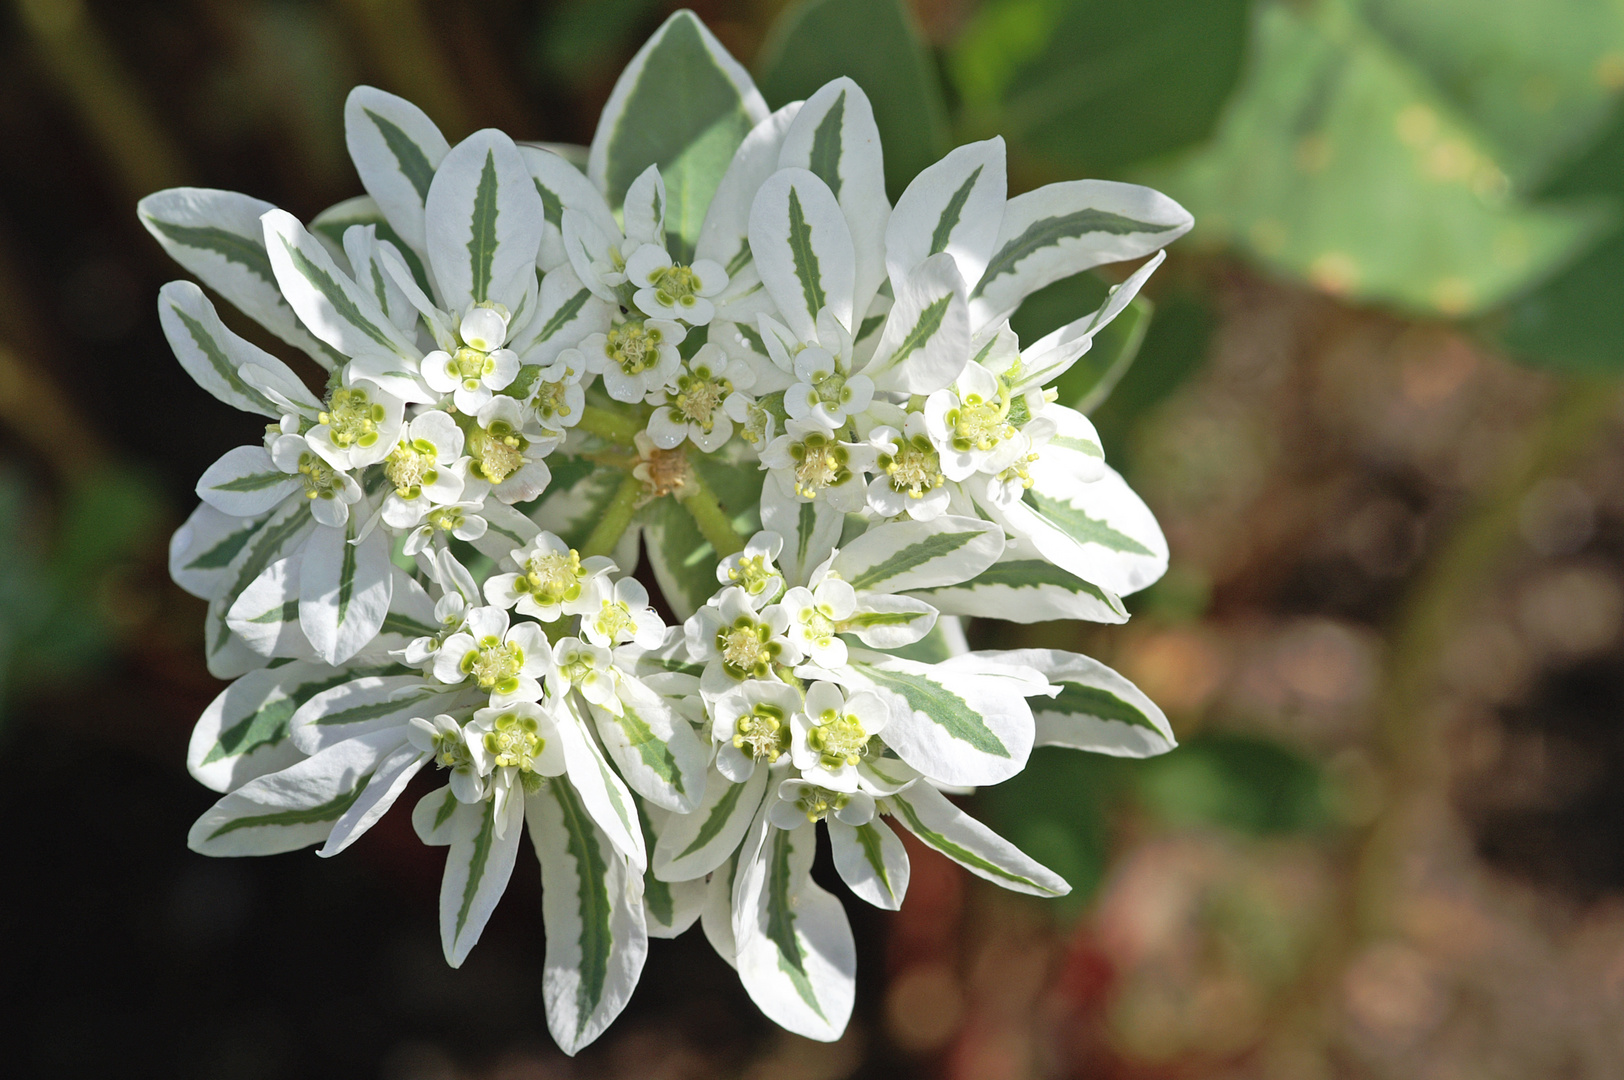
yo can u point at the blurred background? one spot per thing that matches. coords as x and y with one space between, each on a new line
1376 410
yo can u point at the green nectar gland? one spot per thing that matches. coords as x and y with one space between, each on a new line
752 574
321 480
352 418
675 286
494 664
762 733
497 451
699 395
979 424
451 751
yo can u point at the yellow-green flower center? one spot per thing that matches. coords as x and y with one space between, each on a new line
411 465
979 424
820 462
515 741
446 518
450 751
634 346
746 651
614 620
498 451
752 574
699 395
817 804
321 480
762 734
675 285
352 419
916 467
552 577
552 400
470 365
494 664
818 626
838 739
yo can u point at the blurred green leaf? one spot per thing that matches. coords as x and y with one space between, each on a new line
583 39
875 43
1175 347
1241 782
1100 84
1339 162
1057 811
1537 77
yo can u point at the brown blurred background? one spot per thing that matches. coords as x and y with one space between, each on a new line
1375 412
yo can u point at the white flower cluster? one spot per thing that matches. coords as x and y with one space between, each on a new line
802 405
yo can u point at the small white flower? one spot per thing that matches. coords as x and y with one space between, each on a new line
331 491
426 468
751 725
446 740
507 455
459 519
579 665
620 612
736 642
636 357
359 426
809 462
559 395
690 406
752 569
970 424
802 801
508 662
755 421
668 291
832 733
514 744
908 472
479 366
552 579
814 615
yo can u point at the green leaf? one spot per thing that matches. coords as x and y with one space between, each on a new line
875 43
940 705
685 105
935 546
331 810
1099 84
482 244
1340 163
806 260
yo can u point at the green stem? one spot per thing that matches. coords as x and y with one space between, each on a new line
616 517
713 522
606 425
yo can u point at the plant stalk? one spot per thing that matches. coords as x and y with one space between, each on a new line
714 524
617 517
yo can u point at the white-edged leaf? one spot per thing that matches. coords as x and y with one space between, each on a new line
217 236
245 482
561 187
803 250
370 703
655 749
684 104
566 312
604 794
477 870
835 137
954 725
389 779
797 959
245 730
213 355
364 249
939 824
278 534
889 622
926 339
725 236
669 907
396 149
266 614
293 807
871 861
1023 588
344 589
953 206
906 555
434 817
1063 229
695 844
1049 357
329 302
505 529
202 549
810 530
592 907
485 223
331 224
1096 710
1100 531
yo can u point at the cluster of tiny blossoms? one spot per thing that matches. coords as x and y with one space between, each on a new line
803 407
